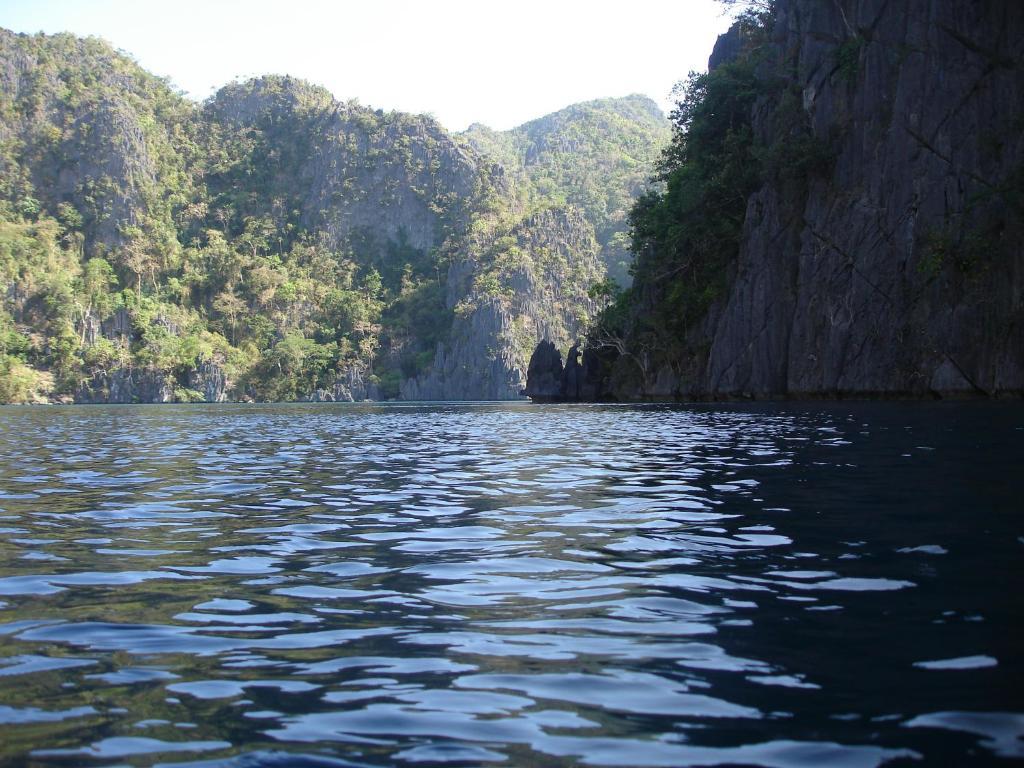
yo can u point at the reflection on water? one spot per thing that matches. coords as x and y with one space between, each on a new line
511 584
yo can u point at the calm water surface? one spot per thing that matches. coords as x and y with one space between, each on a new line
795 585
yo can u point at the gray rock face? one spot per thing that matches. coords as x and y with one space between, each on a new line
901 272
727 47
209 380
580 380
147 385
117 326
542 295
354 384
368 179
127 385
113 136
398 196
476 364
544 375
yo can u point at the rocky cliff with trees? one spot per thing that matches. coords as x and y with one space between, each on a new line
273 243
842 214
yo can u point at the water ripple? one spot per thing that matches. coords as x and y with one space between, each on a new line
508 584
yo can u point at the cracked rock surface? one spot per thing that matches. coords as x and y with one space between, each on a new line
902 269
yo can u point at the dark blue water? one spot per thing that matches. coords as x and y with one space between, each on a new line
796 585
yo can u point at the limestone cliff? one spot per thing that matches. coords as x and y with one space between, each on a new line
364 178
903 270
274 243
522 284
84 127
897 269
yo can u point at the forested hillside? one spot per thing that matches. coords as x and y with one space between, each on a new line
274 244
596 156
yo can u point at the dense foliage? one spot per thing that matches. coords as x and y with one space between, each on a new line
271 243
595 156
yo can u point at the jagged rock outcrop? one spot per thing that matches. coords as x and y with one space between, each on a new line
123 384
900 269
727 47
572 377
544 374
117 124
366 179
583 378
355 384
524 285
478 363
209 380
127 385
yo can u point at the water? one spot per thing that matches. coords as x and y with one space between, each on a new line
796 585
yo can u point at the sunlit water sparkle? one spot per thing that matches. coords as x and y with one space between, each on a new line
509 584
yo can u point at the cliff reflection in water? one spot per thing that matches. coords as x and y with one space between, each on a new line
611 585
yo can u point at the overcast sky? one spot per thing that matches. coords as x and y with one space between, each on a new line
499 62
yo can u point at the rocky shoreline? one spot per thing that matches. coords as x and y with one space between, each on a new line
588 376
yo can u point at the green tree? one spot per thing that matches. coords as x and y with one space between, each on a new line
96 284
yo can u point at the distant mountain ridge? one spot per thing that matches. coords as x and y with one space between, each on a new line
621 139
274 243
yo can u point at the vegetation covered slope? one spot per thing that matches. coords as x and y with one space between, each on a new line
95 157
570 178
271 243
596 156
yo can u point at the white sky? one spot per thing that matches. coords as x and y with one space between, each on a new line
499 62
